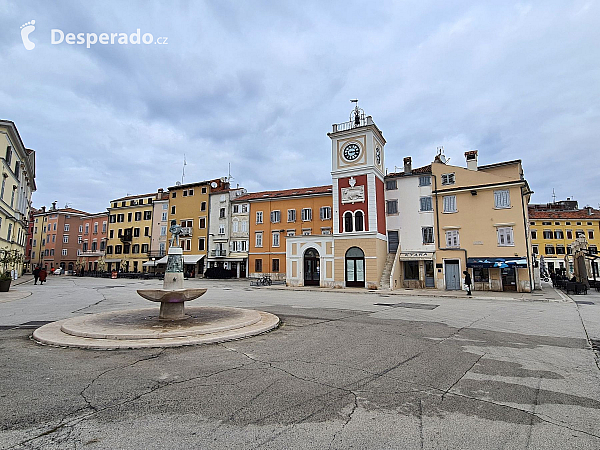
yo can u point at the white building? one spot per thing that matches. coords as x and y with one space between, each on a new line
223 251
410 228
160 231
240 233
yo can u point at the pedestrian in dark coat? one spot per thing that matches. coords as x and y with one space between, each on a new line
43 275
468 281
36 274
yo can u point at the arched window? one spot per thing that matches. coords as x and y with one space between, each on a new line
348 222
359 221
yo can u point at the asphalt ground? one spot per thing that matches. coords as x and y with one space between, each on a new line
344 370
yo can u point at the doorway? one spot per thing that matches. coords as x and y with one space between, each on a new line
509 279
429 274
355 267
312 268
393 241
452 275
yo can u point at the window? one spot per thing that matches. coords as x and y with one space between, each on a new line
185 193
425 180
200 243
531 223
236 209
164 216
579 233
120 217
306 231
391 206
66 239
146 231
174 195
548 234
258 265
426 204
64 252
589 223
546 223
190 192
275 265
411 270
358 221
593 249
275 238
134 249
221 213
53 236
560 249
104 227
326 230
533 234
258 238
126 248
306 214
549 249
129 217
102 245
558 234
173 209
556 223
449 203
535 249
325 212
163 230
54 226
147 215
8 155
221 228
112 219
203 206
570 251
391 185
245 208
567 223
481 274
204 190
136 232
291 215
452 240
118 249
590 234
111 234
502 199
259 217
448 178
138 216
427 235
275 216
348 222
291 233
67 227
505 236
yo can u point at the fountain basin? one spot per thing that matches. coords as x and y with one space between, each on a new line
171 295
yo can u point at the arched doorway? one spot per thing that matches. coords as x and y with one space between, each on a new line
312 272
355 267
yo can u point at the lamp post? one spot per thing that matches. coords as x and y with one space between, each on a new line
154 264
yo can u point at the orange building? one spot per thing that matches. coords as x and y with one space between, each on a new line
274 215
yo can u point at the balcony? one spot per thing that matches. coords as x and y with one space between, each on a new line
126 237
360 122
157 254
186 231
218 253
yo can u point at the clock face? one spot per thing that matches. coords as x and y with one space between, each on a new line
351 152
378 156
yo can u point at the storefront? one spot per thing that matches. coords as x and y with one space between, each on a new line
499 274
415 270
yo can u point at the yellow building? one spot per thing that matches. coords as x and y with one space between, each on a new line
189 207
129 232
481 225
555 227
276 215
17 185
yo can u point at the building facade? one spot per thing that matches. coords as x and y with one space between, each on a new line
481 225
129 228
410 228
225 252
92 238
159 232
278 216
17 185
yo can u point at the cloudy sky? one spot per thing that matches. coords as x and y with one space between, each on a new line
258 84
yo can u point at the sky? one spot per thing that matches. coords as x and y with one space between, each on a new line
258 84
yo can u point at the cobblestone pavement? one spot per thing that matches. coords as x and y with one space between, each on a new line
349 369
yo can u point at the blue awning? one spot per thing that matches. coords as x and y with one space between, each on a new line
497 262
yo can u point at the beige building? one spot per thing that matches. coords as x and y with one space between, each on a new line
481 222
17 185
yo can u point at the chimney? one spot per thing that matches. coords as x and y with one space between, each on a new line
471 157
589 210
43 209
53 206
407 165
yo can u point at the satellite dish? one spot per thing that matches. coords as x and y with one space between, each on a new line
178 183
442 159
213 184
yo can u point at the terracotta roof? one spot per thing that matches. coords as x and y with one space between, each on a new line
417 171
581 214
265 195
60 211
152 194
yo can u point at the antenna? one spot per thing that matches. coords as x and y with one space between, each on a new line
553 196
183 171
229 177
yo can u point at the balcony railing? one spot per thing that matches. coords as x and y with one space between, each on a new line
186 231
126 238
353 123
157 254
218 253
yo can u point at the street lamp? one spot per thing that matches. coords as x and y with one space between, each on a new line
154 264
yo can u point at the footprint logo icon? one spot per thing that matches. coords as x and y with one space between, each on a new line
26 30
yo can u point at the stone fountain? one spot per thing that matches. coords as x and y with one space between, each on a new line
173 327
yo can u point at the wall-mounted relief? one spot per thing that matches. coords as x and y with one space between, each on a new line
353 194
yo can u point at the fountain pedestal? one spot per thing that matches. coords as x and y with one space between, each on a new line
173 295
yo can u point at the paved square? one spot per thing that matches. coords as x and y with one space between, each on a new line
344 370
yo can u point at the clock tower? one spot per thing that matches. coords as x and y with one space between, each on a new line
359 227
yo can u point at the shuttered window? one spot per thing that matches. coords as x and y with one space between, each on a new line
426 204
502 199
452 240
449 203
505 237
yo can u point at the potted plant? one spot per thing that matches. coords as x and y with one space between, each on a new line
8 259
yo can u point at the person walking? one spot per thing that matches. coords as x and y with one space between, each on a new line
468 281
43 275
36 274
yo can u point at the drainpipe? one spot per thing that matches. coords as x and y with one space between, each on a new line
529 268
437 222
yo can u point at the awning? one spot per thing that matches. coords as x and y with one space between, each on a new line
415 256
112 260
187 259
497 262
